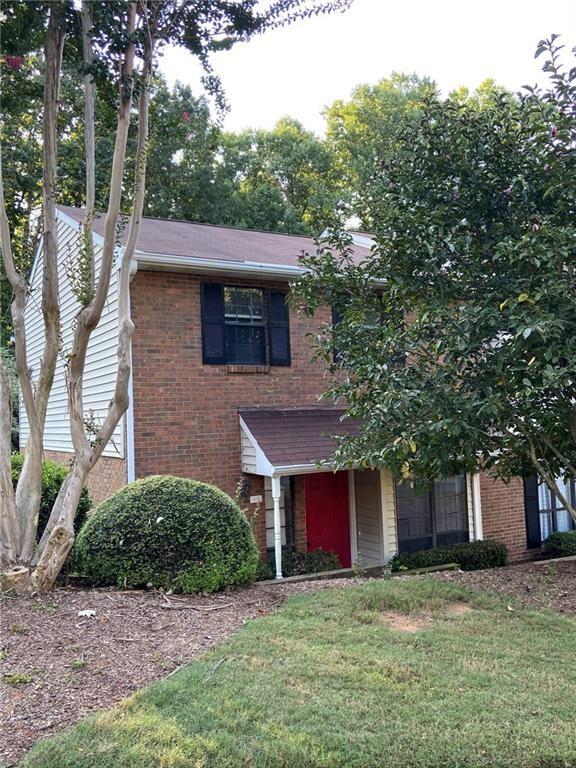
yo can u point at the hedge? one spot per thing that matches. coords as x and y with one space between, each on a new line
168 532
298 563
53 475
561 544
471 556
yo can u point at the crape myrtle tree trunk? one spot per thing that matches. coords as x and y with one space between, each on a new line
456 341
117 41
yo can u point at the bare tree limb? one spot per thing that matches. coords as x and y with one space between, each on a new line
29 487
89 134
9 523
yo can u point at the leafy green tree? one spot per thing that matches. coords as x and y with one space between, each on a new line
362 131
115 44
464 358
283 179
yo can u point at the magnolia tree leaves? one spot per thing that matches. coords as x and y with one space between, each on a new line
473 361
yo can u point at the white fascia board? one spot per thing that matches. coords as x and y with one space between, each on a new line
98 239
263 466
163 261
301 469
362 240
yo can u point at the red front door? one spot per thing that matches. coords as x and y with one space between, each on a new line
327 515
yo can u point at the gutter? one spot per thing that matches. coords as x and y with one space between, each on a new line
167 262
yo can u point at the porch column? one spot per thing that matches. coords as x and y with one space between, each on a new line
277 526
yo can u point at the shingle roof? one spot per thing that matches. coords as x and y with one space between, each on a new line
295 436
184 238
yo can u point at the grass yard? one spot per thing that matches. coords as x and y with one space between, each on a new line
397 673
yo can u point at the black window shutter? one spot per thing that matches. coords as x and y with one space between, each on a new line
213 331
532 512
278 328
336 319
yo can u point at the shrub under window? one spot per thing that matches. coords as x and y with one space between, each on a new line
471 556
168 532
561 544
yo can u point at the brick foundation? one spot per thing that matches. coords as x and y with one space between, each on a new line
503 515
108 475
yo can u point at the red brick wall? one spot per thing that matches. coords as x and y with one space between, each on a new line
108 475
186 413
503 515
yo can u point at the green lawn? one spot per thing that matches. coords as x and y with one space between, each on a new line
326 683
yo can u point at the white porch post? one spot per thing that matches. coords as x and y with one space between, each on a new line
352 515
277 526
477 507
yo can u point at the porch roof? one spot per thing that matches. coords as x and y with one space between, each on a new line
285 441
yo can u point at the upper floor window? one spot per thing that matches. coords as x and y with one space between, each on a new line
244 326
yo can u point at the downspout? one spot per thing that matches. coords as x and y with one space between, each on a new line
130 452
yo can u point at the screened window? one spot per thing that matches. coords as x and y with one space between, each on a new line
554 516
432 517
286 512
244 326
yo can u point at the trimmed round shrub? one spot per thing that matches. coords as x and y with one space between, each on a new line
53 475
561 544
470 556
168 532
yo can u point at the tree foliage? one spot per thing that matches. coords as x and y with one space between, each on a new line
109 48
362 132
456 346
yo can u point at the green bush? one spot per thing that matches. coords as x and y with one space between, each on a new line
299 563
168 532
561 544
472 556
53 475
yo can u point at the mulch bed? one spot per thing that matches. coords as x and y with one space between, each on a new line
549 586
66 665
57 666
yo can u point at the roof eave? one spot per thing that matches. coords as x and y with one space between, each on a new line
199 265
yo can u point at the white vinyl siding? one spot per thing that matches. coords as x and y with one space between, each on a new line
248 454
101 360
368 517
388 487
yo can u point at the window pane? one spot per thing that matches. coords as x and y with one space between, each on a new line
544 498
450 503
244 305
245 344
546 527
413 512
563 520
554 517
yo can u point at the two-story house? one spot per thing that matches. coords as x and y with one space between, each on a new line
224 390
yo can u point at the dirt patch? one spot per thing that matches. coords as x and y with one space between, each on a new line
403 622
75 651
458 608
